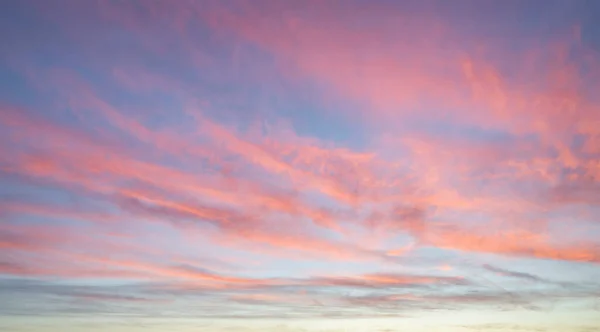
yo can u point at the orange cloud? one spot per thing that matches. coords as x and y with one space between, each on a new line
512 243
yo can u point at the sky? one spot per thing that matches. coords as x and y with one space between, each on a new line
299 166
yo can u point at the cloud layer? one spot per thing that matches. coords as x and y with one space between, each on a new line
298 160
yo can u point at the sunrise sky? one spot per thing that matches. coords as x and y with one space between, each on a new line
299 166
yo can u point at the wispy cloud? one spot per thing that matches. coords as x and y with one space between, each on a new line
298 160
515 274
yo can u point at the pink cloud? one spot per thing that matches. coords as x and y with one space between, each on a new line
520 243
466 146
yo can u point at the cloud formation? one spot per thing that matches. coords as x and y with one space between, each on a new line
298 159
